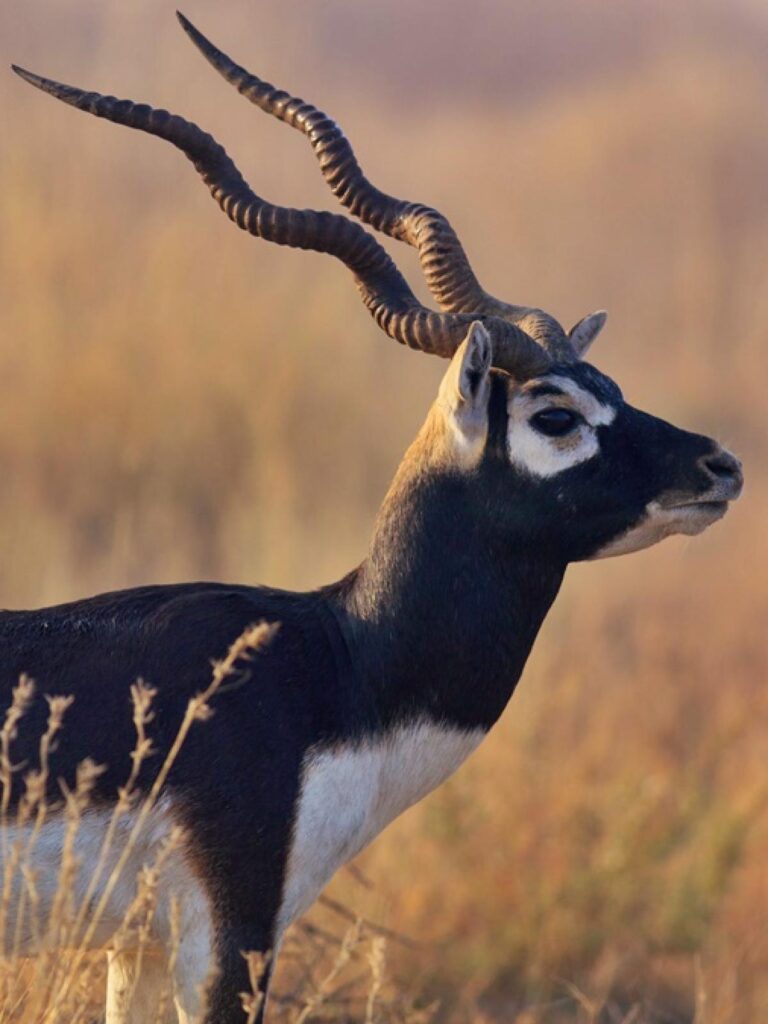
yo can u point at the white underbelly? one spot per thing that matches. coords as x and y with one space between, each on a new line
95 879
350 793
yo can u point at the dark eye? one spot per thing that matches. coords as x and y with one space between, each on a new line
555 422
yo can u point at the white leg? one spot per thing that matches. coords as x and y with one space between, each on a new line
139 989
194 963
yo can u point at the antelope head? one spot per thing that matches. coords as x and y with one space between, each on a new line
570 465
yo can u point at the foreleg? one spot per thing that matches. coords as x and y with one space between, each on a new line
139 988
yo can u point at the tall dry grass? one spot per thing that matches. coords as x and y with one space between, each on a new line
180 401
61 917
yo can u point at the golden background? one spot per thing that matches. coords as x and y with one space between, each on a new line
181 401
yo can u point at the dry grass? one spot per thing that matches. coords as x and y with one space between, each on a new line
60 984
182 402
326 975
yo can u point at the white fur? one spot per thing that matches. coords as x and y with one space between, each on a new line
594 411
660 522
194 960
137 984
464 400
543 456
350 793
128 995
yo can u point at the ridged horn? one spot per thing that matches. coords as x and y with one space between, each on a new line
384 291
445 265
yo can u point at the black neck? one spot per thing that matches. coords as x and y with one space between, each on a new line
440 618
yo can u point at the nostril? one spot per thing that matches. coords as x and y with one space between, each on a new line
722 465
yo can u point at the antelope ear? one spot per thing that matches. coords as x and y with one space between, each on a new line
582 334
466 388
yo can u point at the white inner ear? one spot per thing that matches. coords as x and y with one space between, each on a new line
585 331
542 456
464 393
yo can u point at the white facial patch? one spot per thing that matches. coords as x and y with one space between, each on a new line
543 456
660 522
350 793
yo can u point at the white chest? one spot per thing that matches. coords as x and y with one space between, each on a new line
349 794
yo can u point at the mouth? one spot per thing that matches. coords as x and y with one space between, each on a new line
665 520
714 502
692 517
707 507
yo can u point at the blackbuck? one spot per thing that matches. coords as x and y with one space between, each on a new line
375 688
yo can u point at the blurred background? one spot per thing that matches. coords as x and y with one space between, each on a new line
181 401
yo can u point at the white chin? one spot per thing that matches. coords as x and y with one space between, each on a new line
699 516
659 522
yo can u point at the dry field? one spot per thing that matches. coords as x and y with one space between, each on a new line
182 402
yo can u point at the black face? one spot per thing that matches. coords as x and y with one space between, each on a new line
577 470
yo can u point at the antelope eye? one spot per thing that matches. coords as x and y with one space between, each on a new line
555 422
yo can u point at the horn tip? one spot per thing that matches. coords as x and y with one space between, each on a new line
28 76
194 34
66 93
37 80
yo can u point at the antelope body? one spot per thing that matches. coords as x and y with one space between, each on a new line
375 688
